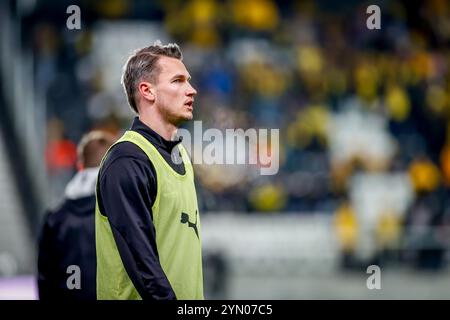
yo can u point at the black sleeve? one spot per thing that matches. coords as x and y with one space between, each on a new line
125 188
47 270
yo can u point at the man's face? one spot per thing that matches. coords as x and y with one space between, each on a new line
174 95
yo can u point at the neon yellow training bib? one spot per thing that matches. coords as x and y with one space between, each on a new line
177 224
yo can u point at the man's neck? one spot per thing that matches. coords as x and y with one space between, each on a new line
163 128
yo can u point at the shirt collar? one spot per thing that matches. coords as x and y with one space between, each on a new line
153 136
82 184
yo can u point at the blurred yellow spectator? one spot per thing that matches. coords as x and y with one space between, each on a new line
264 78
425 176
309 60
310 123
258 15
310 66
366 79
421 63
195 20
268 197
437 99
204 15
397 103
346 225
388 230
336 81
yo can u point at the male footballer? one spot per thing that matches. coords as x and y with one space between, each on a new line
148 239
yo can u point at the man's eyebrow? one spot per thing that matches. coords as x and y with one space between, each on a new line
182 76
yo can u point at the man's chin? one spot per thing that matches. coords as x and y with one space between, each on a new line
184 117
188 116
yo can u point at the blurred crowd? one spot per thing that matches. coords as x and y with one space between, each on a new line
348 101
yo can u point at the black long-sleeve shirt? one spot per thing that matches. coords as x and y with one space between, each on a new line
126 192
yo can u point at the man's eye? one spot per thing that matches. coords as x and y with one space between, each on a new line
177 80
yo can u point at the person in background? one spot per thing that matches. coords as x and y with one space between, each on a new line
67 240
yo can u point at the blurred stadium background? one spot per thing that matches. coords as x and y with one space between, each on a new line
364 133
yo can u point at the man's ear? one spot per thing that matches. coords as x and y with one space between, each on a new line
147 90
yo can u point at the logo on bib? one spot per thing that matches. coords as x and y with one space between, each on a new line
185 219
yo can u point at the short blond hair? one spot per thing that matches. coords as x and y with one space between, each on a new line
93 146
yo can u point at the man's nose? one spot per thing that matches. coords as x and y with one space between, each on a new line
191 91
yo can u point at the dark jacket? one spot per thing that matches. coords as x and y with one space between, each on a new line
68 238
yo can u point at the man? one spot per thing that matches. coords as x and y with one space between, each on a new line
147 220
68 235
